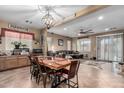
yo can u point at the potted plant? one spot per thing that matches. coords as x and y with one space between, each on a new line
23 45
16 44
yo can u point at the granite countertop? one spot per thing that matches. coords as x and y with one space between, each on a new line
121 63
12 56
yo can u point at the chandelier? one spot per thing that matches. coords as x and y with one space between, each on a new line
47 19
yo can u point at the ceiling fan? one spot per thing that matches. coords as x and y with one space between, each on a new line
85 31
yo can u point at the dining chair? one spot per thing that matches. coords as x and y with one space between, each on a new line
33 67
44 72
71 73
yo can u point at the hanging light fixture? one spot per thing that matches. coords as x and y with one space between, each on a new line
47 19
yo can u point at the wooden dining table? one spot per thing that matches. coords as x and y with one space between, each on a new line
55 65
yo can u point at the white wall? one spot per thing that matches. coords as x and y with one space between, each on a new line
55 38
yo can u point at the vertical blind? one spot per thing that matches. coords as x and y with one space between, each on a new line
110 48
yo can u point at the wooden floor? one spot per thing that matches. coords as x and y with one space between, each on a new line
98 75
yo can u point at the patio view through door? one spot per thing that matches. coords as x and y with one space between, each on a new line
110 48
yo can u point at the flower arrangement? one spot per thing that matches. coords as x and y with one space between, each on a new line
16 44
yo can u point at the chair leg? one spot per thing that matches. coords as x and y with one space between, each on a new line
37 74
44 80
38 79
77 81
68 83
49 77
32 74
30 69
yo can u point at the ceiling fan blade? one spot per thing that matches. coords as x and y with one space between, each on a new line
82 32
66 6
58 14
89 30
86 32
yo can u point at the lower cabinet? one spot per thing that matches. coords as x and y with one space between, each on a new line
29 62
22 61
2 66
10 62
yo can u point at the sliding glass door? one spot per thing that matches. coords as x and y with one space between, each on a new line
110 47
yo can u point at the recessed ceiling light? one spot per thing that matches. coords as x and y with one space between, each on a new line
27 21
100 18
65 28
79 34
43 11
106 29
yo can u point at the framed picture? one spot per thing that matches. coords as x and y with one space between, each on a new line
60 42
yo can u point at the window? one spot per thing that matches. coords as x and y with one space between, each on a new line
11 36
84 45
68 45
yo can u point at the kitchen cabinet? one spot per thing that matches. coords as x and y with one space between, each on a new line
14 61
2 63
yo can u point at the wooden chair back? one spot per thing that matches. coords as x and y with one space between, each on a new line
73 69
